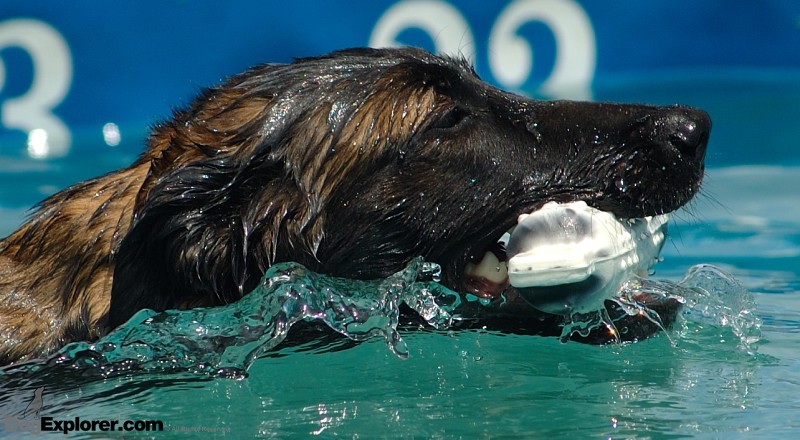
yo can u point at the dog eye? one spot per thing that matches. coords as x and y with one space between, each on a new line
450 119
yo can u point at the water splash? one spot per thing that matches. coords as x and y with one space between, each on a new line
584 323
713 297
224 341
710 297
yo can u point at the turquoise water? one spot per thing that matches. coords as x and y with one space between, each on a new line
701 381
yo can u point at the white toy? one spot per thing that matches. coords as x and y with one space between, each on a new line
569 258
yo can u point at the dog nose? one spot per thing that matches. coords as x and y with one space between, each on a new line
688 130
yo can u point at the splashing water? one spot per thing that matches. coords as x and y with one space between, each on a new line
224 341
709 295
713 297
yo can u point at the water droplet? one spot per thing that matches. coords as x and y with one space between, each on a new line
111 134
621 185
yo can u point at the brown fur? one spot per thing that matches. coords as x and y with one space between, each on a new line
58 267
351 163
66 248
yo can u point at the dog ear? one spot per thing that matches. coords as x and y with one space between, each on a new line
181 249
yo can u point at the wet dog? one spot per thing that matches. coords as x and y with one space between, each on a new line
352 164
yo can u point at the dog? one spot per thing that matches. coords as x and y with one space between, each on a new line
352 164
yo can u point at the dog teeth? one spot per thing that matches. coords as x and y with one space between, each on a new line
490 268
504 239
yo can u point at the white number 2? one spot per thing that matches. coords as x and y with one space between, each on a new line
510 56
48 136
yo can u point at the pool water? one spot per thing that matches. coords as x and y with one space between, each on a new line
701 381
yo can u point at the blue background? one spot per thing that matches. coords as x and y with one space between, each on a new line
133 63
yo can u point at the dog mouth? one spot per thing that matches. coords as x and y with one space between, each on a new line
566 257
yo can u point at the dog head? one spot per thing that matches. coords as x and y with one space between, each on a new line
355 162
